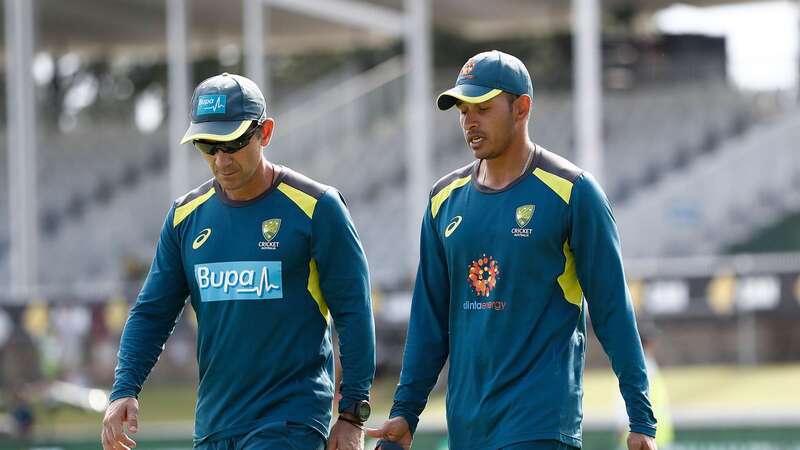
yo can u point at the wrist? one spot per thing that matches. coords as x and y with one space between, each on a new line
411 420
357 411
351 419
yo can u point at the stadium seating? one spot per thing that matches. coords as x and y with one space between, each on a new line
351 134
721 198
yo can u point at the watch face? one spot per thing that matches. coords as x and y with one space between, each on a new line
364 410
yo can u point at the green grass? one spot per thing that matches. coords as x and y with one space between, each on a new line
708 387
169 409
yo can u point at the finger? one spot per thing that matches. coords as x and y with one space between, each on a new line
375 432
119 446
128 441
331 443
107 445
109 442
132 415
114 428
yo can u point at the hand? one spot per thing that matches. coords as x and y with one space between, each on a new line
638 441
345 436
393 430
120 411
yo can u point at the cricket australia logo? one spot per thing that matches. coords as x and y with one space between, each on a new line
523 215
269 229
466 71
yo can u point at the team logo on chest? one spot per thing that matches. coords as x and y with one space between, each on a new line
269 229
523 215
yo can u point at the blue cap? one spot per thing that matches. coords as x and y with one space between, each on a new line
223 108
484 77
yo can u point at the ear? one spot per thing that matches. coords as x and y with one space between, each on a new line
522 107
267 127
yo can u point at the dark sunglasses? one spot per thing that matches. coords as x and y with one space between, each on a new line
210 147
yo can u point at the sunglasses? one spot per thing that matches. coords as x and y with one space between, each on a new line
210 148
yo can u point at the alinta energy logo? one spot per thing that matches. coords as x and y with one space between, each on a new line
482 277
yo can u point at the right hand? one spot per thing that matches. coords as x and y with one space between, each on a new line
395 429
120 411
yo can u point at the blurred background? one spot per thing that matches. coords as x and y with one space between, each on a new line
687 113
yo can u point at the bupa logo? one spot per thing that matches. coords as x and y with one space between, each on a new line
211 104
239 280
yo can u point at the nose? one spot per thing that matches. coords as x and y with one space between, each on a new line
222 159
469 120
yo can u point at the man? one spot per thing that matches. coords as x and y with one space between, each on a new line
510 244
264 253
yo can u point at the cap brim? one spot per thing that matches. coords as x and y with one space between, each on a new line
216 131
469 93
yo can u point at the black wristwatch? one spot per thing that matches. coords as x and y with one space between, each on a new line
359 411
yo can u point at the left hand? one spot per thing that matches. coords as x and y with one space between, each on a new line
345 436
638 441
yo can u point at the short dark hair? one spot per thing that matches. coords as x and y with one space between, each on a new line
511 98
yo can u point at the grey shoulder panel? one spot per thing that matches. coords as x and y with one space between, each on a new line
195 193
557 165
446 180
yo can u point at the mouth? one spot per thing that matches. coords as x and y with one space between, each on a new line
475 140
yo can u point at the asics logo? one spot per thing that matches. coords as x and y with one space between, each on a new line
451 227
201 238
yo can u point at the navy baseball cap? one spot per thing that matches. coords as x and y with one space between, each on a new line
484 77
223 108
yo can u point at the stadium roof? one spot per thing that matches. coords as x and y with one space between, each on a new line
113 25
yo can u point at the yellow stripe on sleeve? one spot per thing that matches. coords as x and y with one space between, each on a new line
304 201
315 290
182 212
568 280
561 186
438 199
